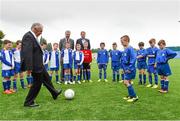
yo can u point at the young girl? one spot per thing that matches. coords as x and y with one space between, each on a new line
78 57
67 59
163 56
86 63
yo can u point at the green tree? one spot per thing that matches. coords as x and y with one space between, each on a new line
2 35
49 46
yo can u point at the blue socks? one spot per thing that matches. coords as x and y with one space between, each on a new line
144 78
131 91
22 83
105 74
79 77
5 85
166 85
156 79
89 75
122 76
150 79
118 76
57 78
162 84
8 84
74 78
84 75
50 76
14 84
100 74
140 78
114 75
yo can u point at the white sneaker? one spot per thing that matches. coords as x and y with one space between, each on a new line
78 82
155 86
73 82
90 81
58 82
84 81
65 82
99 80
69 82
105 80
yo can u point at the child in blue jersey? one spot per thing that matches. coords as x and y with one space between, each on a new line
151 54
128 65
163 68
17 69
45 55
54 58
78 58
102 61
115 62
67 58
141 63
7 60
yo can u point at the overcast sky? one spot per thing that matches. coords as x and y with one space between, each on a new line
103 20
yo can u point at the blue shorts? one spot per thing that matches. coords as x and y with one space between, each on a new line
141 65
76 66
151 69
54 69
17 68
46 67
164 69
7 73
102 66
67 66
115 65
130 76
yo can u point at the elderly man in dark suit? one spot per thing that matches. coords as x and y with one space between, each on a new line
82 40
32 62
62 46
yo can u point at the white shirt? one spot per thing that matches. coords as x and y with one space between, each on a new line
16 55
66 56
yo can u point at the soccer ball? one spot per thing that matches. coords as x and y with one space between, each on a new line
69 94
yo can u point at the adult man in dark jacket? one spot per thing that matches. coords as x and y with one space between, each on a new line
82 40
32 62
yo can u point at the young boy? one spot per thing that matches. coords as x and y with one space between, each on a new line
86 63
17 69
128 64
151 54
141 63
67 57
162 58
54 57
102 61
78 58
45 55
115 61
7 60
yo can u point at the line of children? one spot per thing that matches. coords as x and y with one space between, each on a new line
102 61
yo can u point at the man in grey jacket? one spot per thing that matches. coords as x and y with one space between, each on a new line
62 46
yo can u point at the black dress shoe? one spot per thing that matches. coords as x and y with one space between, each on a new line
32 105
58 93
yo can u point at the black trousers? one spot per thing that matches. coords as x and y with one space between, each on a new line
38 79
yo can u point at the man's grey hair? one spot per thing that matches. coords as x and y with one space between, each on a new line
67 31
34 25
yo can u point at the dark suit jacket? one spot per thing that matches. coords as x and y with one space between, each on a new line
79 41
31 54
63 41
